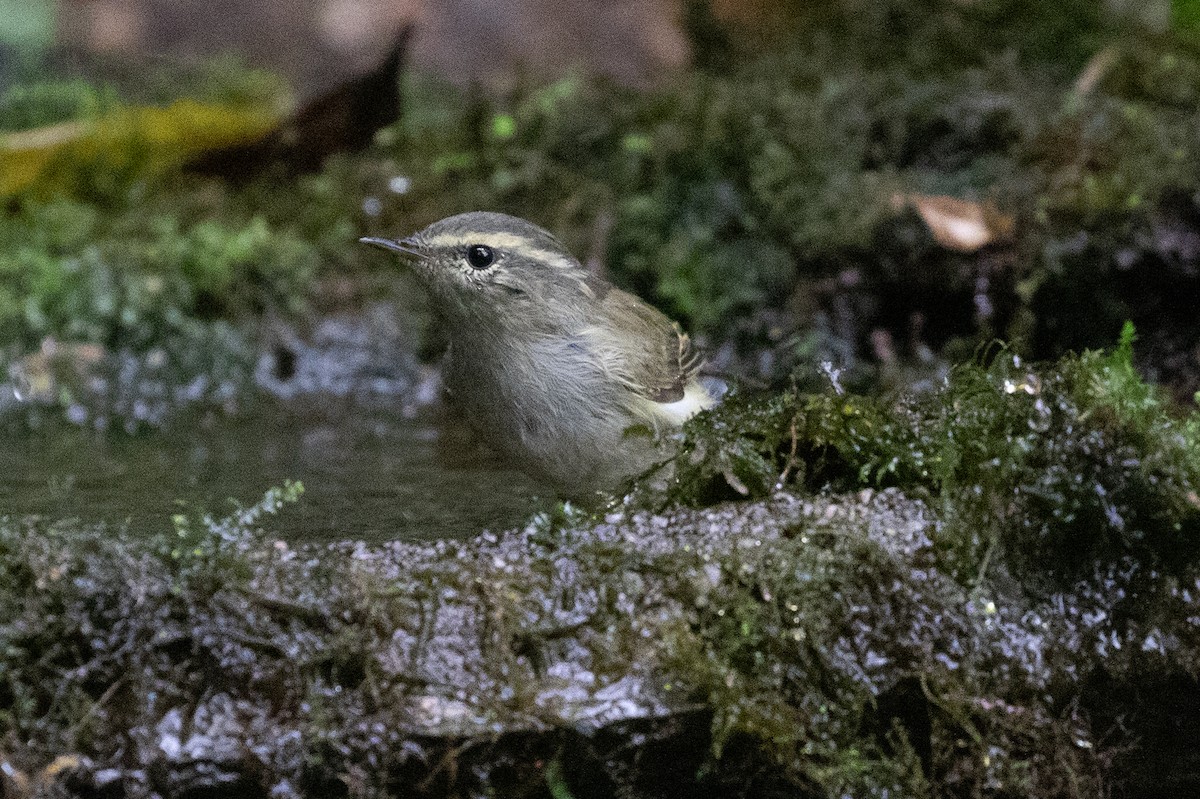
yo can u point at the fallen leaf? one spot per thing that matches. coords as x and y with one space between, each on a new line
152 137
957 224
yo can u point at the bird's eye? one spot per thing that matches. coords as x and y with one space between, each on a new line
479 256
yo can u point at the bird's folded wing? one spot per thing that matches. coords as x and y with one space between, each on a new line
652 356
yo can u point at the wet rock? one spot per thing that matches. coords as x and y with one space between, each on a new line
224 747
365 355
749 644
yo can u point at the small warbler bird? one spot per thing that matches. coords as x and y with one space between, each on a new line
566 375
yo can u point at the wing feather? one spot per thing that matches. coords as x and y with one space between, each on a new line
654 357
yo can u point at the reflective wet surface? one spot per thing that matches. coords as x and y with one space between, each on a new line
367 475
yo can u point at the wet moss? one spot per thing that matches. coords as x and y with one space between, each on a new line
1062 467
810 646
982 635
1058 488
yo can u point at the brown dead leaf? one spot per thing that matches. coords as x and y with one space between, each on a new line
957 224
58 766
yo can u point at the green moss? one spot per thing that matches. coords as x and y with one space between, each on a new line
25 106
175 272
1054 486
1062 466
139 279
819 644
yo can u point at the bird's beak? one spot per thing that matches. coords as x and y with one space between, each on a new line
406 246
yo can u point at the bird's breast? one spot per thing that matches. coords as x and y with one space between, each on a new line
537 385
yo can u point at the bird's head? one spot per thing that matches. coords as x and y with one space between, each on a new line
482 265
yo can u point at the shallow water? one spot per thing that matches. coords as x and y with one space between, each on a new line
369 476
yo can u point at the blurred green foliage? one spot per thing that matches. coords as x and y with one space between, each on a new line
40 101
760 190
124 250
86 141
140 279
755 198
27 24
32 105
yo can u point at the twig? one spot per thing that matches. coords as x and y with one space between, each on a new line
791 458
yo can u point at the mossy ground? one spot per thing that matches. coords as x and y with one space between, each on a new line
974 588
985 626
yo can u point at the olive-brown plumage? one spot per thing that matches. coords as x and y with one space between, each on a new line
570 377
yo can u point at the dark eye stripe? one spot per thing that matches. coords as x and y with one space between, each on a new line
480 256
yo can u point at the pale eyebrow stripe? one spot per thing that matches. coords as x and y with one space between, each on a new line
504 241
